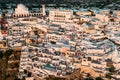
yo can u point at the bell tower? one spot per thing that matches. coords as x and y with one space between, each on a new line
43 10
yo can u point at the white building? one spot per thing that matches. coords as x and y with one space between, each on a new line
60 16
95 51
21 9
102 18
117 13
83 13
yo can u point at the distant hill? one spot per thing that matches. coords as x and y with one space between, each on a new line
83 3
55 1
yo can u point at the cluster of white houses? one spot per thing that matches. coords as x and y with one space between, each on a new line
62 42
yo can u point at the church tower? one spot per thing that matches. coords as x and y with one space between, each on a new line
43 10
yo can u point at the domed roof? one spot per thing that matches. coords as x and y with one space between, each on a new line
21 9
21 6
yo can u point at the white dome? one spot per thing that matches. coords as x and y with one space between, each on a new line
21 6
21 9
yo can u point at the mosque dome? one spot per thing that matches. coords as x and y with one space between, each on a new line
21 9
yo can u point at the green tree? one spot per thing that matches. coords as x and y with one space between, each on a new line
89 77
108 75
1 54
23 78
16 78
8 53
112 69
98 78
25 71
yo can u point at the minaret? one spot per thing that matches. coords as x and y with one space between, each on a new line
43 10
